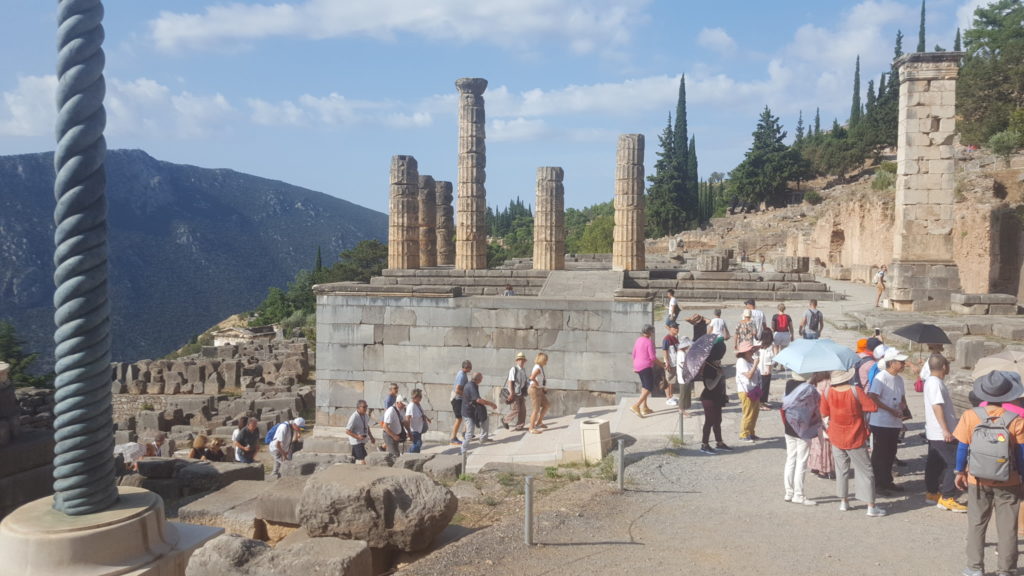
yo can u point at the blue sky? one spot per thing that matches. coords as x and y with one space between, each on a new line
321 93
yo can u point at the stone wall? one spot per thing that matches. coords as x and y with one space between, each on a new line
26 446
367 339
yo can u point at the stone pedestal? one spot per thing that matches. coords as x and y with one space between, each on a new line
445 223
403 214
132 537
628 251
549 220
923 274
428 222
471 233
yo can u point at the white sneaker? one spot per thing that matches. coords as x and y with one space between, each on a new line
672 402
804 501
876 511
843 506
788 498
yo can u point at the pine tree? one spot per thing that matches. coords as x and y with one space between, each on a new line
920 31
799 129
956 41
855 109
767 166
664 215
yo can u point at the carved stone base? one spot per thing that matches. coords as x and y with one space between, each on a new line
923 286
133 538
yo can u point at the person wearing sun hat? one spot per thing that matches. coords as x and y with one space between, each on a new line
797 447
888 393
748 389
842 407
987 498
516 383
281 444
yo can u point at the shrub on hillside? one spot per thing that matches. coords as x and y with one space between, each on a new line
1006 142
813 198
883 180
889 167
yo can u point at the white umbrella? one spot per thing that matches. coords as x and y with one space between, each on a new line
806 356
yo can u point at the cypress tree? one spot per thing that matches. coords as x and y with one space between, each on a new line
920 31
799 129
817 121
319 264
855 109
686 198
869 105
693 179
899 45
956 41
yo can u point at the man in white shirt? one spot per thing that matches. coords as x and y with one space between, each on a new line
757 318
717 325
358 431
416 421
281 444
394 426
888 393
939 423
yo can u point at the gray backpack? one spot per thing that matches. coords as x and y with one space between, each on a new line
991 454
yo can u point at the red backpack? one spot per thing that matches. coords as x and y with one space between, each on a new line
781 322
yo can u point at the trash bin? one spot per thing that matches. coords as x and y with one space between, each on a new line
596 438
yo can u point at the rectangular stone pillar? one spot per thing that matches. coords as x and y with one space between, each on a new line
924 274
445 223
471 232
549 220
628 251
403 214
427 222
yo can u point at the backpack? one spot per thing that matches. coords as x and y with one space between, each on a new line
991 450
815 324
270 434
781 322
856 372
800 410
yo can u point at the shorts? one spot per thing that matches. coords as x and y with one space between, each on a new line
782 339
359 452
647 379
457 408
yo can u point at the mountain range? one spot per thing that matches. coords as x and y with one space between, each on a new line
188 246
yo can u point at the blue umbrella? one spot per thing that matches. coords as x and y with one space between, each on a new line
819 355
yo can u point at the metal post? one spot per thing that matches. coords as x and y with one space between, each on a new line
622 464
528 513
681 437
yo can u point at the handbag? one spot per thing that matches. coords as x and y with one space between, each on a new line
506 396
919 386
754 394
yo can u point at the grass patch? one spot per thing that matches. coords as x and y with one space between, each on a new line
467 477
507 480
491 501
676 441
606 469
552 472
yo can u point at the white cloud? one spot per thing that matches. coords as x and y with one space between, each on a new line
859 33
583 25
29 109
337 110
136 107
716 39
516 129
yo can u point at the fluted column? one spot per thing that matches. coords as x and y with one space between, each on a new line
445 223
549 220
428 222
471 232
403 214
630 219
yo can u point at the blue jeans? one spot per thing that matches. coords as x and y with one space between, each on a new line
811 335
417 442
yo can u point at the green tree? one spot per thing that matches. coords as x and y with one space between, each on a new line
692 175
12 352
956 41
664 207
855 107
899 45
991 84
817 121
318 265
920 32
799 128
366 260
767 166
598 235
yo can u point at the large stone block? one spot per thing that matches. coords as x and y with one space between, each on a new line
233 555
444 467
387 507
280 502
232 508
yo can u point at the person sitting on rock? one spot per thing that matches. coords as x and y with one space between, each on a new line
156 447
198 447
215 453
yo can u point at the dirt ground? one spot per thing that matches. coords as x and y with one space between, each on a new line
683 511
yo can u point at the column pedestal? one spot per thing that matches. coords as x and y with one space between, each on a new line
133 538
923 286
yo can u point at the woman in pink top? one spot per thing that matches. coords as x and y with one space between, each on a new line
644 359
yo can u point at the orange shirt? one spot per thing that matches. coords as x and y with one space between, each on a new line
965 428
846 426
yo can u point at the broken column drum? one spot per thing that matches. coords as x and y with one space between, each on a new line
445 223
428 222
403 214
471 232
924 274
549 220
630 220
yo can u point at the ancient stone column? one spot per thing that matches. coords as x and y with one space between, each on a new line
549 220
923 274
403 214
445 223
630 220
471 232
428 222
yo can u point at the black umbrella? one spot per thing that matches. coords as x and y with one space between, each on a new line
923 334
696 356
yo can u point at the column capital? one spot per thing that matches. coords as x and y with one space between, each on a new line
475 86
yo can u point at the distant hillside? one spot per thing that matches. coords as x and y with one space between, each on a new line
188 246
